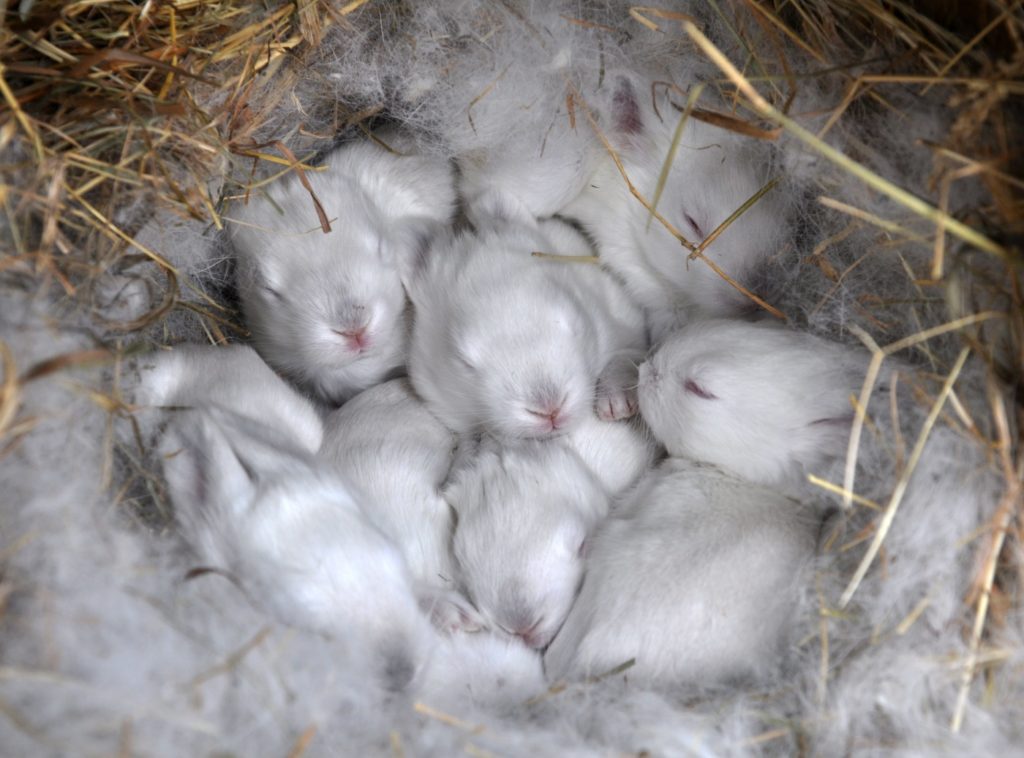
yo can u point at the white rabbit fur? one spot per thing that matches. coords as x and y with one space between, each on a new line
385 443
234 377
618 453
328 310
695 578
292 536
483 668
766 402
543 180
514 344
564 238
524 511
714 172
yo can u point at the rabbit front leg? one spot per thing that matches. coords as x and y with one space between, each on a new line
616 391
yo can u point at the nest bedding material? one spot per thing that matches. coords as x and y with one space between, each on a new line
128 128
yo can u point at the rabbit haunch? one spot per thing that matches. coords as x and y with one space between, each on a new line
695 577
520 346
328 309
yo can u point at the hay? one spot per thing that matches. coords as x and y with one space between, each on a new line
894 124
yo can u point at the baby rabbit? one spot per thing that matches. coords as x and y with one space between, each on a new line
525 509
328 310
713 174
516 345
763 401
291 535
695 578
234 377
391 448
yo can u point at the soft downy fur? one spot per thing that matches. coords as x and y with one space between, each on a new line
694 577
106 646
234 377
618 453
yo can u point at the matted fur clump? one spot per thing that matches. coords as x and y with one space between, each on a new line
885 136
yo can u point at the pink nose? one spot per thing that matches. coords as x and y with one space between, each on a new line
531 636
555 418
356 339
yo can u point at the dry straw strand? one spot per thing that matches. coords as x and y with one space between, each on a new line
447 718
1008 507
875 181
901 486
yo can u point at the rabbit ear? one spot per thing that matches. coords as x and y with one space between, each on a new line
217 459
495 209
465 486
407 246
627 119
832 433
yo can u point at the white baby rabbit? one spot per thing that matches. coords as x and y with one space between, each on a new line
524 511
695 579
385 443
759 399
235 378
293 538
328 309
518 345
713 174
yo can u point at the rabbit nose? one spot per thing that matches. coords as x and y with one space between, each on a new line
530 635
555 419
356 338
520 617
553 413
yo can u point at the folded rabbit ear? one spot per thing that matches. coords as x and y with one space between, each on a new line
407 245
832 433
217 459
627 118
496 209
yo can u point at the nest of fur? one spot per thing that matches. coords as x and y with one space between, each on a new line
128 128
